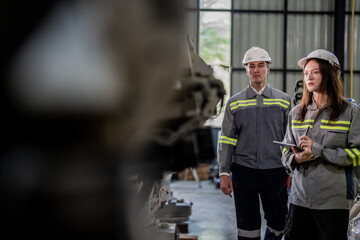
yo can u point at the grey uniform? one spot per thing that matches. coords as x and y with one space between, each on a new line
328 182
250 124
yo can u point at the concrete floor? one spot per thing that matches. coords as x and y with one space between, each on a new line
213 213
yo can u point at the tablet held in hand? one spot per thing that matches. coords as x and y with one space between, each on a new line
289 145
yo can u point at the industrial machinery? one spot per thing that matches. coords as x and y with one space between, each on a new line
163 212
214 167
354 216
354 224
94 93
180 141
298 88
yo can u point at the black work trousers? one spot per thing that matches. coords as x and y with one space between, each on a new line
312 224
270 185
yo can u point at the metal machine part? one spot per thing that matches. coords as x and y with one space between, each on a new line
298 88
165 207
354 215
161 231
174 211
162 212
354 229
194 99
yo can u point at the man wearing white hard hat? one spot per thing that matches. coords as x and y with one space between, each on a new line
327 127
254 118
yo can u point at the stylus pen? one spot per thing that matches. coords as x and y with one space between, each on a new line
307 131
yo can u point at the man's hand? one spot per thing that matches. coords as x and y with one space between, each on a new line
226 185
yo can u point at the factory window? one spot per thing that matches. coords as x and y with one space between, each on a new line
214 40
287 29
214 37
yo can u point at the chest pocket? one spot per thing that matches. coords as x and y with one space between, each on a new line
335 133
335 138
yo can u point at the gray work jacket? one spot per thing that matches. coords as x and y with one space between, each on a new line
251 123
328 182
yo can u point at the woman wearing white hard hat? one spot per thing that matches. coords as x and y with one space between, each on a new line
327 127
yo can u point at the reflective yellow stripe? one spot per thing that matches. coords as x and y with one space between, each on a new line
352 156
243 101
336 122
243 105
228 140
305 121
334 127
231 139
302 126
275 103
283 151
277 99
357 152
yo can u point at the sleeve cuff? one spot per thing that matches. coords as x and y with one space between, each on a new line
291 164
224 173
316 149
224 169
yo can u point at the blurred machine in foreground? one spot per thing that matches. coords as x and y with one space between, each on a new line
94 95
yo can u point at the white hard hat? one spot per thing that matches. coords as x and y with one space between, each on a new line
321 54
255 54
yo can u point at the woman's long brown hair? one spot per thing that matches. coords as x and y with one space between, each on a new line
331 85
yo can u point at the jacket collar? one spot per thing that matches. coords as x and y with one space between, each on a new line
313 106
250 93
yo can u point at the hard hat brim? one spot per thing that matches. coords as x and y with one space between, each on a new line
302 62
331 60
256 60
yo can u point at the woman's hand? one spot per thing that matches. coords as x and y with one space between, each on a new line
303 156
305 142
306 155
